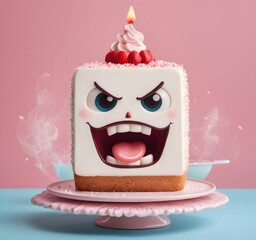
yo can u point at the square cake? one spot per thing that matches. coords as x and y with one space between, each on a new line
130 122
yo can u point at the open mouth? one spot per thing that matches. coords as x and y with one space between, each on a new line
129 144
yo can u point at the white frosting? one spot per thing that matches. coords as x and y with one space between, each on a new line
130 83
130 40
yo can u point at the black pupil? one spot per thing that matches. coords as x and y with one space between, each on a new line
105 101
153 101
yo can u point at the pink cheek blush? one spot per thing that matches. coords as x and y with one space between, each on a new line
171 114
83 114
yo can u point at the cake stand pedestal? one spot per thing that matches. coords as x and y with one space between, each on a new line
130 215
133 222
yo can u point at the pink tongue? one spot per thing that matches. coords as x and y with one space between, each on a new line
128 152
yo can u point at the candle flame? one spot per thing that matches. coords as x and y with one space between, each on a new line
131 15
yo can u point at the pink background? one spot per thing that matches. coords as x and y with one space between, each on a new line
214 40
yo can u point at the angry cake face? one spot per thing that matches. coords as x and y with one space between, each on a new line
128 121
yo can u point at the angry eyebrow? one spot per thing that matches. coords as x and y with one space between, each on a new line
106 92
152 91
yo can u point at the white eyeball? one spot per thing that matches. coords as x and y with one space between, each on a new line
99 101
157 101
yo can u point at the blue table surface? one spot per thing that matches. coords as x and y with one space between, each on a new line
19 219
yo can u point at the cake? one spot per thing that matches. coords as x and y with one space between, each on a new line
130 120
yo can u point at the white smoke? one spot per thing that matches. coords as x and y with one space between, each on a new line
39 132
206 138
210 138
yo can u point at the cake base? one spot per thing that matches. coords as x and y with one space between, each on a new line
130 183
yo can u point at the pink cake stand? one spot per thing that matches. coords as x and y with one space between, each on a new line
131 210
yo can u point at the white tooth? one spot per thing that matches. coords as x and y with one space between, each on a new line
120 163
122 128
147 159
111 160
146 130
135 128
137 163
111 130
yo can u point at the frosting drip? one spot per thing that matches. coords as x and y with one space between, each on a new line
130 40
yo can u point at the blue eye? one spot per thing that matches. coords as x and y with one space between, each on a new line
152 103
104 102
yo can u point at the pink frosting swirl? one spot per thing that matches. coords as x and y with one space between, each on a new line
130 40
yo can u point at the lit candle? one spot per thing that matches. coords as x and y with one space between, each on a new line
131 15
